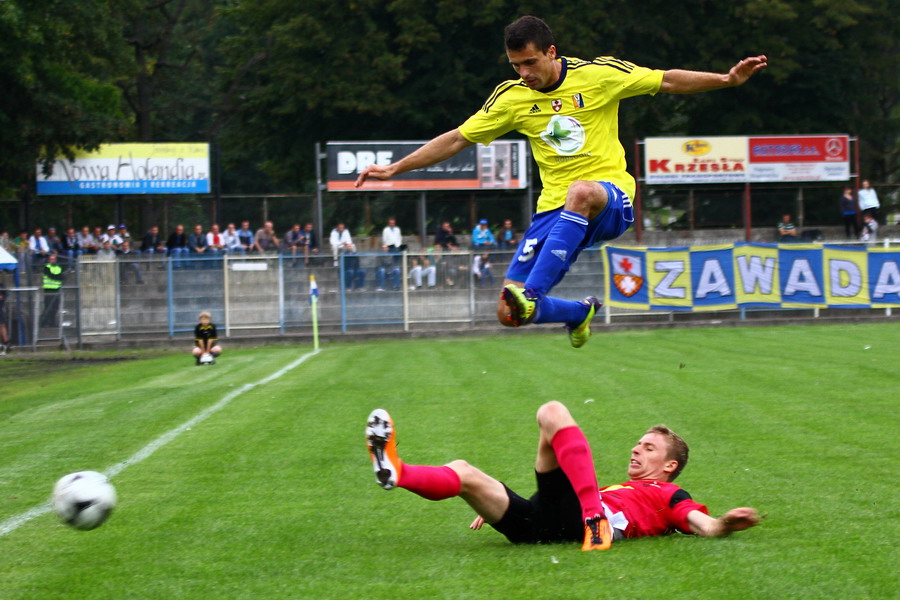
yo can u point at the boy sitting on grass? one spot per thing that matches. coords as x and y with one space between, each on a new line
205 337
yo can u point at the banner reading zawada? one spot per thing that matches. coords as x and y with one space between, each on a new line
751 275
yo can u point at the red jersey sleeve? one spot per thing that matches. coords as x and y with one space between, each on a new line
680 504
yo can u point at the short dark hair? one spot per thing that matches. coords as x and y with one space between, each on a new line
677 448
528 30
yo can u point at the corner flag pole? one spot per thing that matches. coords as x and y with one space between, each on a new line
314 304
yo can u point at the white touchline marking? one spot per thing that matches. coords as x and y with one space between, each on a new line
13 523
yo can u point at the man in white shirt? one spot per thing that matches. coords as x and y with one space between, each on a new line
392 238
340 241
38 246
215 241
868 200
231 240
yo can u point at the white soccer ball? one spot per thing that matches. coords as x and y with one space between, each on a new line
206 359
84 499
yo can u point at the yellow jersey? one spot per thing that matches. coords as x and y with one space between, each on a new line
572 126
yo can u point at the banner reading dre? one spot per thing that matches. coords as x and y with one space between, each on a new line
130 169
501 165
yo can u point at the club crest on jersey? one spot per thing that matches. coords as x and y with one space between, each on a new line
627 274
578 101
556 104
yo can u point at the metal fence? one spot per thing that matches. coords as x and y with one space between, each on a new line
148 297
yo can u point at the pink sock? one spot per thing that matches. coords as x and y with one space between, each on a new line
574 457
432 483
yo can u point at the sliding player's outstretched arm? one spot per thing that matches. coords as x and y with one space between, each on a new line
680 81
440 148
736 519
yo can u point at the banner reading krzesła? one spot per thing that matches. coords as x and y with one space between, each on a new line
130 169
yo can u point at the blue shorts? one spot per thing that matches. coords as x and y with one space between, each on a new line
612 222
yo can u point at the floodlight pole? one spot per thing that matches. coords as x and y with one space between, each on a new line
320 156
745 201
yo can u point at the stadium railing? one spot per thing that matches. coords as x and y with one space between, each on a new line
141 298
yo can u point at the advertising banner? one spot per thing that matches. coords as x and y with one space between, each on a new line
130 169
501 165
743 159
751 275
799 158
710 159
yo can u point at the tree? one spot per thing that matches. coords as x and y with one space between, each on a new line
56 63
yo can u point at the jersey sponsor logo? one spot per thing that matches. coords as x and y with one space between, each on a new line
578 101
627 274
534 109
564 134
556 104
528 250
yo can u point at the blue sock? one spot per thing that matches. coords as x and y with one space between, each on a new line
556 310
566 234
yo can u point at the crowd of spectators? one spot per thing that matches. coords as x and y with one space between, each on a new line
297 244
33 249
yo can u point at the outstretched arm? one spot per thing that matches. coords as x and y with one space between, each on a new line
736 519
440 148
679 81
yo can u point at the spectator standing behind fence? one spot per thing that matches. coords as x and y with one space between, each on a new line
38 247
392 238
340 241
177 246
293 242
309 242
786 230
107 251
125 235
197 241
266 240
112 236
215 241
445 239
52 282
232 241
848 212
506 237
482 237
99 236
86 240
126 263
245 235
53 241
481 268
868 200
152 243
70 246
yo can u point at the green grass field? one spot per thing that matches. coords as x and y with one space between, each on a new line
273 496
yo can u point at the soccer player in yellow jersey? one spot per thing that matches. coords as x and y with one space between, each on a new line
568 109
